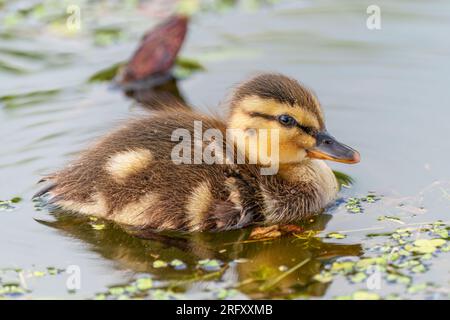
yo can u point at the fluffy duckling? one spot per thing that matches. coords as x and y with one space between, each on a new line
130 177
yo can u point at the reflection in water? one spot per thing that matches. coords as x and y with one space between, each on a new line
262 269
157 97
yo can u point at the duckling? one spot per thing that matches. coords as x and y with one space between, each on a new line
129 176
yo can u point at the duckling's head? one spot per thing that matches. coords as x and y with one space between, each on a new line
274 101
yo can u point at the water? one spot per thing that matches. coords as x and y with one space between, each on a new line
385 92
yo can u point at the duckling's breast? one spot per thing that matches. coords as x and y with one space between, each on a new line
326 180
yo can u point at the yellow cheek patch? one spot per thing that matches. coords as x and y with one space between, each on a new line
127 163
198 205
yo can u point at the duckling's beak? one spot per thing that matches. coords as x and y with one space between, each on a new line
328 148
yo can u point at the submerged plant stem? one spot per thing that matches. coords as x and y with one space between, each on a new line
270 284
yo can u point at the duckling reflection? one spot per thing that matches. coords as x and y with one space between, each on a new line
260 262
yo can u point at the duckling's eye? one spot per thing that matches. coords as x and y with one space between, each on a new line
287 120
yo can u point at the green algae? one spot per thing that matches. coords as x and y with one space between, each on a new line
9 205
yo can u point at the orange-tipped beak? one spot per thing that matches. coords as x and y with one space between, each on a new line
328 148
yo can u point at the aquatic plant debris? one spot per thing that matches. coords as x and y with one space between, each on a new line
140 288
210 264
336 235
344 180
9 205
390 218
13 281
274 231
159 264
404 253
178 264
356 205
395 258
226 293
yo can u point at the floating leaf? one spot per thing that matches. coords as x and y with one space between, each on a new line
427 245
100 296
366 262
16 199
52 271
390 218
144 284
116 290
159 264
358 277
164 295
210 264
9 205
259 233
355 205
397 278
419 268
417 288
336 235
38 274
12 289
342 266
443 233
323 277
364 295
226 293
178 264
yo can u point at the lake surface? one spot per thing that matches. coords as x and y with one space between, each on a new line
384 92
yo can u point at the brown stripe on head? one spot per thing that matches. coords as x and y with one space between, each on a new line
281 89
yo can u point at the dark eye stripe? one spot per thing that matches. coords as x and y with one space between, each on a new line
308 130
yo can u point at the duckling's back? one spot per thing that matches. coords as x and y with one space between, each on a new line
129 177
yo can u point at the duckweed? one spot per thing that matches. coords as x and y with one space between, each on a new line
9 205
210 264
178 264
390 218
356 205
159 264
226 293
336 235
396 260
144 284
